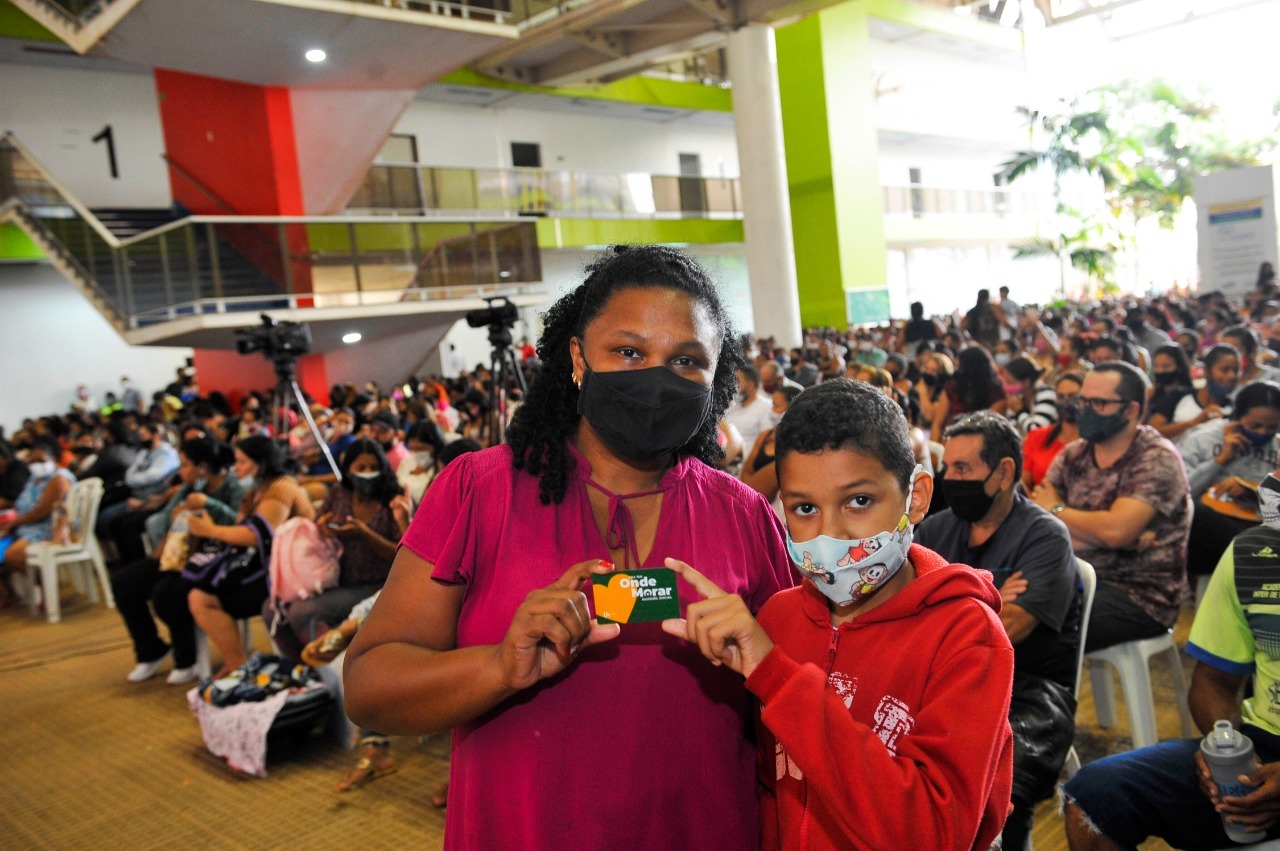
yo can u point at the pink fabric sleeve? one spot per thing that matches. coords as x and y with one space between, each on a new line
778 573
440 532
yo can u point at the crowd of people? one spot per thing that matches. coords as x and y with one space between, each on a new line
876 535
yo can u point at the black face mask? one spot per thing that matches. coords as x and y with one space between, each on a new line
1068 412
930 379
1095 427
643 414
1164 379
967 498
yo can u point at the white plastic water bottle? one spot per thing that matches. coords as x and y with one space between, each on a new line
1229 754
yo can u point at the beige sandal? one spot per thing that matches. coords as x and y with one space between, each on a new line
363 773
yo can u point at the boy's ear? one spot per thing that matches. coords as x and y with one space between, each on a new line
921 497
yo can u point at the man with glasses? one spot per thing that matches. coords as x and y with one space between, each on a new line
1122 492
992 526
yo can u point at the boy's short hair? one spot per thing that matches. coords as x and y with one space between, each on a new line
844 414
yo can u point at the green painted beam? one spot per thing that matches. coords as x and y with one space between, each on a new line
832 149
577 233
15 23
647 91
14 245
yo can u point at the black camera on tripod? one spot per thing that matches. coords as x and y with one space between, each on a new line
275 339
500 316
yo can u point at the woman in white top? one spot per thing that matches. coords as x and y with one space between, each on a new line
1213 400
419 467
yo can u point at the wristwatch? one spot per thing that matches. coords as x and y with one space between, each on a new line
1057 509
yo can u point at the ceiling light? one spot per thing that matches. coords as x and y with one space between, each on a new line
315 54
353 337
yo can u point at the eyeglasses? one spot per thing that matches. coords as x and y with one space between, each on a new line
1100 405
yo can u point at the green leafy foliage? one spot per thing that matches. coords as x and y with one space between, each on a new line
1141 144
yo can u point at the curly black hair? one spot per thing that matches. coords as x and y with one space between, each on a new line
549 416
844 414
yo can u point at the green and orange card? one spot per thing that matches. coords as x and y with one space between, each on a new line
635 596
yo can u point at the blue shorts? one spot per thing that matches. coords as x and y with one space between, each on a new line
5 543
1154 792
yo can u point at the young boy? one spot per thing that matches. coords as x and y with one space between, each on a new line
884 678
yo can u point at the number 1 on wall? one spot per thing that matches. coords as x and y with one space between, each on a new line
107 136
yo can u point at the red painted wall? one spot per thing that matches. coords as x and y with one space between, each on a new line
234 374
237 140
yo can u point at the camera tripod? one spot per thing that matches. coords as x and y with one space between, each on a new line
503 365
286 392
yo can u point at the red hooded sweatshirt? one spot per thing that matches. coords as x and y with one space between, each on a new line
891 730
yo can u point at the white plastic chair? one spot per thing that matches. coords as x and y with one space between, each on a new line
82 553
203 667
1132 661
1089 586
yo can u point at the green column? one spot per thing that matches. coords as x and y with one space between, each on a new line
837 210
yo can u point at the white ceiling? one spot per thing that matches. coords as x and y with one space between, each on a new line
263 42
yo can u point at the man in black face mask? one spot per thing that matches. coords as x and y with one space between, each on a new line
1122 491
991 525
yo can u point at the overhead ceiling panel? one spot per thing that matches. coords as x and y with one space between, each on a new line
263 42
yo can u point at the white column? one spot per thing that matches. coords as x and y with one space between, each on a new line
766 200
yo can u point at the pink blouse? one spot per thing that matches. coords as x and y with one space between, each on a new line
641 743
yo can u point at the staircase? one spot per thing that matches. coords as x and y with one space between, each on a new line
126 222
164 277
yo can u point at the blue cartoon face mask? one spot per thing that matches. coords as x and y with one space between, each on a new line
848 571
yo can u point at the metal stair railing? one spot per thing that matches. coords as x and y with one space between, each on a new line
221 264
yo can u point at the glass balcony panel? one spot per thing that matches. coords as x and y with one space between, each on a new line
455 189
720 195
599 193
666 194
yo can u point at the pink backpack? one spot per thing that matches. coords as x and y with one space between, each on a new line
304 563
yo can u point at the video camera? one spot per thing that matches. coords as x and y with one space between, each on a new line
500 316
275 339
499 312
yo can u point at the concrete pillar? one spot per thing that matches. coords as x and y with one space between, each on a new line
766 200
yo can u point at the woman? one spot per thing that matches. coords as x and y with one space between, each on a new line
273 498
1171 379
1071 351
1247 342
1005 351
47 486
1030 400
1189 341
975 386
758 471
483 627
359 514
1219 457
935 372
1043 444
419 467
206 486
1213 400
